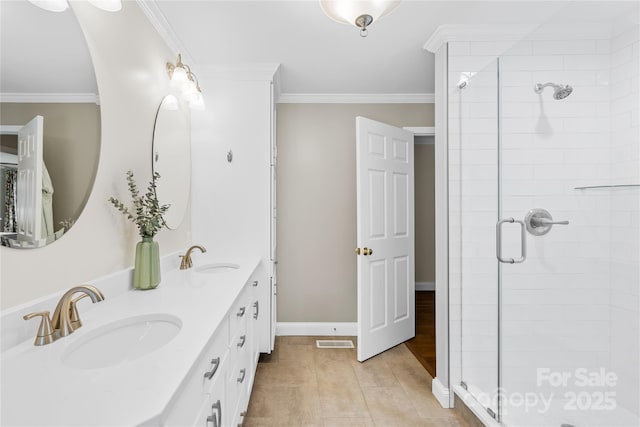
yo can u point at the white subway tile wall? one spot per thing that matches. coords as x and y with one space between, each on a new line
625 217
575 302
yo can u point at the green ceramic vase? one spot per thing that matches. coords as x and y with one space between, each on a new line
146 273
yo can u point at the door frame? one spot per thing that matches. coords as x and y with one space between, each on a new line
440 385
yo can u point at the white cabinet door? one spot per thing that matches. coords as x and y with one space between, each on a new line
385 206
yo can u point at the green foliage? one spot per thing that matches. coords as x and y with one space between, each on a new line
147 213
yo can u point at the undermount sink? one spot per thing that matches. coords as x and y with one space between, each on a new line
218 267
122 341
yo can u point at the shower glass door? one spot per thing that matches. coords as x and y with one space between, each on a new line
569 313
549 335
474 207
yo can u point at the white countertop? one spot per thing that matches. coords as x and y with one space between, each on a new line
38 389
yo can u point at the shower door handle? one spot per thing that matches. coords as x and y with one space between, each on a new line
523 241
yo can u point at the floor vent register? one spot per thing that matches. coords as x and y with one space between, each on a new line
334 344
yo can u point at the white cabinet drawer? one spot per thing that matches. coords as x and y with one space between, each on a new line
238 317
214 357
214 412
240 375
209 370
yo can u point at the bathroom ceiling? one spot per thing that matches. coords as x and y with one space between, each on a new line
318 55
42 52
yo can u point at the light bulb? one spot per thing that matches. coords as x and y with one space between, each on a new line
51 5
179 78
189 90
197 101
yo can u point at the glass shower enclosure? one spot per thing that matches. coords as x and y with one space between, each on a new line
544 201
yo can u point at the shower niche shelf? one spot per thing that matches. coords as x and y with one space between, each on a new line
592 187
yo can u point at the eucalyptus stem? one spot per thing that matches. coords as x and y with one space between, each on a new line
146 213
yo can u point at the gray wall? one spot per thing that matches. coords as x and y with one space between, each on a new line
316 203
425 213
71 150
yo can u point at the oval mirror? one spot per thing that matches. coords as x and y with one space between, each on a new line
171 158
49 97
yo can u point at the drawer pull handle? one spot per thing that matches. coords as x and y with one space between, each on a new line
243 373
256 305
255 283
243 338
214 367
241 312
217 421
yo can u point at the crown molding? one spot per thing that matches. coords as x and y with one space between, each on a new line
241 72
155 16
356 98
51 98
515 33
450 33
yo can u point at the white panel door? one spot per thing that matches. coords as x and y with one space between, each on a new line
386 269
29 194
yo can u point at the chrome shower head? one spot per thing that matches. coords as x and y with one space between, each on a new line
559 91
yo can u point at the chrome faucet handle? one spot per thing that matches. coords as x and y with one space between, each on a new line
45 333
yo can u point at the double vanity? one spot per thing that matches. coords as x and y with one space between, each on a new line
184 354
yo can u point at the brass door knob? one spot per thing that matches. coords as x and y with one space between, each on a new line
367 251
357 251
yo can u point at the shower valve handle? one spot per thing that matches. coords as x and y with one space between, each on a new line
541 222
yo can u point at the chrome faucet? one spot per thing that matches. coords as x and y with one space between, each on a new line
186 258
65 318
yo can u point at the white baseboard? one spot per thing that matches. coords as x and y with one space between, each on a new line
440 392
316 328
425 286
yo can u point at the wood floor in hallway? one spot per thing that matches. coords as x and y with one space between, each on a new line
423 346
301 385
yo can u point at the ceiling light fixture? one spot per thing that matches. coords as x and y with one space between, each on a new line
51 5
185 81
62 5
359 13
108 5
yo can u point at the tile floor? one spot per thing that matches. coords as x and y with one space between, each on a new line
301 385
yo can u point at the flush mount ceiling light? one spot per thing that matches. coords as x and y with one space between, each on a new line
360 13
108 5
183 80
51 5
62 5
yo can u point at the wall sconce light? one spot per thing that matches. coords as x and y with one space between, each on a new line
359 13
62 5
183 80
